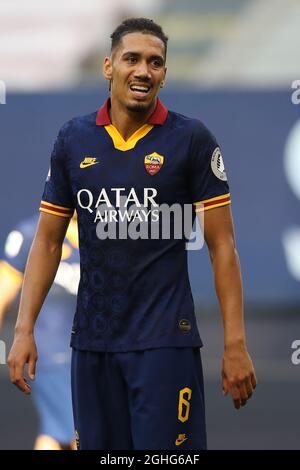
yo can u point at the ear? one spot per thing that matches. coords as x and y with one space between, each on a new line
107 68
162 83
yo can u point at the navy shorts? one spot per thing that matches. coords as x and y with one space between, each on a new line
139 400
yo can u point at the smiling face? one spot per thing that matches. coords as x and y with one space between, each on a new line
136 70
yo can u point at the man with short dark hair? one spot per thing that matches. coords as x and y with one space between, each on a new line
136 367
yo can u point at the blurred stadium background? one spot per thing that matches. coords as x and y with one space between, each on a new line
231 63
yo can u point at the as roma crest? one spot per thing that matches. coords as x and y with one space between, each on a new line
153 163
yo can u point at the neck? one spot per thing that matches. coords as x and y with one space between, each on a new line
128 122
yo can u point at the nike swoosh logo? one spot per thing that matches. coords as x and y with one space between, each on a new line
85 165
178 442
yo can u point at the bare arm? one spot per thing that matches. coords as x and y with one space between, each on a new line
238 375
43 261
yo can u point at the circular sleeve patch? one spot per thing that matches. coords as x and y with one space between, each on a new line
217 165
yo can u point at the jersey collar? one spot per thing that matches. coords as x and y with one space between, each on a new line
158 116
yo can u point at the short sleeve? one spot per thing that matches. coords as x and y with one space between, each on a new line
57 197
208 180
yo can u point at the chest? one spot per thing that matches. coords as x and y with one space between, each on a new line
159 160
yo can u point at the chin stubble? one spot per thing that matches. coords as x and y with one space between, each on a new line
138 107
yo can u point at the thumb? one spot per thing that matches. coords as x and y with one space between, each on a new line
31 368
225 385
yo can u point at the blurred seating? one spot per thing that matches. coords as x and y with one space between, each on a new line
233 42
60 43
42 44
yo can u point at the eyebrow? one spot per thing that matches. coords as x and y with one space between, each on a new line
138 54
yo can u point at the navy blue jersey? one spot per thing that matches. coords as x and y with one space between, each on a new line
53 326
134 291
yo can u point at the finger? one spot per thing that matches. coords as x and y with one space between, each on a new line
11 368
235 394
253 380
237 404
23 385
31 368
243 393
19 379
249 388
225 385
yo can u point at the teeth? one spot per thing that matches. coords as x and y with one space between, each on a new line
139 88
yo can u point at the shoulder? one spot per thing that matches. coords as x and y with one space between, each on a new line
78 125
192 127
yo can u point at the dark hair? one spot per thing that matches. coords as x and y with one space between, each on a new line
142 25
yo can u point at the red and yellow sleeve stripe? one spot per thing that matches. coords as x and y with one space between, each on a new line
56 210
212 202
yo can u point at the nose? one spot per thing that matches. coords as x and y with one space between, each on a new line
142 70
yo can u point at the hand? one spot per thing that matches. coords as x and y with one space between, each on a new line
238 375
23 351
